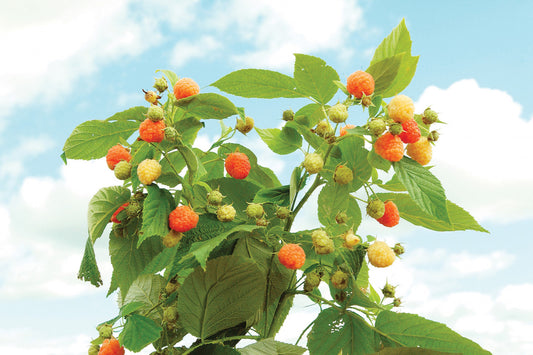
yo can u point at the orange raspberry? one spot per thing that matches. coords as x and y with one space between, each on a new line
111 347
360 83
389 147
421 151
185 87
115 155
148 171
411 132
120 209
183 219
401 108
292 256
380 254
237 165
391 217
343 131
150 131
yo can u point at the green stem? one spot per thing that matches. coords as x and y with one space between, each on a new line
221 341
303 332
169 162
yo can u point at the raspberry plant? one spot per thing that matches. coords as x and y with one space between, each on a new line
218 276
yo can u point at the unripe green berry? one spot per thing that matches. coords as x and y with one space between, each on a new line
261 222
340 280
430 116
94 349
341 217
171 134
375 209
155 113
133 209
172 238
105 331
312 280
397 302
288 115
350 239
171 287
324 129
313 163
214 198
377 126
122 170
395 129
161 84
398 249
343 175
245 126
388 290
255 210
151 97
170 315
433 136
226 213
282 212
366 101
338 113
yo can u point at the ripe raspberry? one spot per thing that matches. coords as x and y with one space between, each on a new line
322 242
375 208
183 219
312 280
380 254
343 131
160 84
324 129
283 212
150 131
255 210
391 217
122 170
115 154
420 151
360 83
389 147
340 280
172 238
214 198
245 126
350 239
148 171
292 256
313 163
430 116
377 126
155 113
411 132
343 175
288 115
401 108
151 97
185 87
120 209
111 347
338 113
226 213
237 165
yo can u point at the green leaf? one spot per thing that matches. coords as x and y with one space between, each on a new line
409 351
188 129
272 347
398 41
281 141
333 199
415 331
214 349
92 139
171 76
410 211
354 156
258 83
297 183
315 78
88 268
378 161
276 195
203 312
423 187
171 166
102 206
394 184
161 261
208 106
311 138
144 290
310 115
374 110
129 308
156 208
384 73
406 72
139 331
333 332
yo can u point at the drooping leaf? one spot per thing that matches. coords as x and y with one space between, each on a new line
315 78
88 268
156 208
203 312
208 106
281 141
144 290
102 206
409 351
258 83
138 332
412 330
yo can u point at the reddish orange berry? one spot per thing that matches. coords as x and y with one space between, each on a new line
389 147
411 132
237 165
150 131
343 131
183 219
115 155
292 256
185 87
111 347
391 217
360 83
120 209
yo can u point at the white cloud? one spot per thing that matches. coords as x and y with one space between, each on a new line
482 155
467 264
186 50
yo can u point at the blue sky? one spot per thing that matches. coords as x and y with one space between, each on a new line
69 62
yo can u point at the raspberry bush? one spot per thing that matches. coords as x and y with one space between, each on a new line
203 243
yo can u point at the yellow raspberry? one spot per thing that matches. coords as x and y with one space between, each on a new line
401 108
420 151
148 171
380 254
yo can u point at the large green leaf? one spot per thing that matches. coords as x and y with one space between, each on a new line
334 331
188 129
92 139
138 332
311 138
354 156
102 206
423 187
406 72
281 141
88 268
202 308
272 347
385 72
410 211
208 106
333 199
398 41
277 195
171 165
411 351
145 290
259 83
310 115
315 78
156 208
404 329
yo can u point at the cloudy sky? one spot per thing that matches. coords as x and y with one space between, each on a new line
65 62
